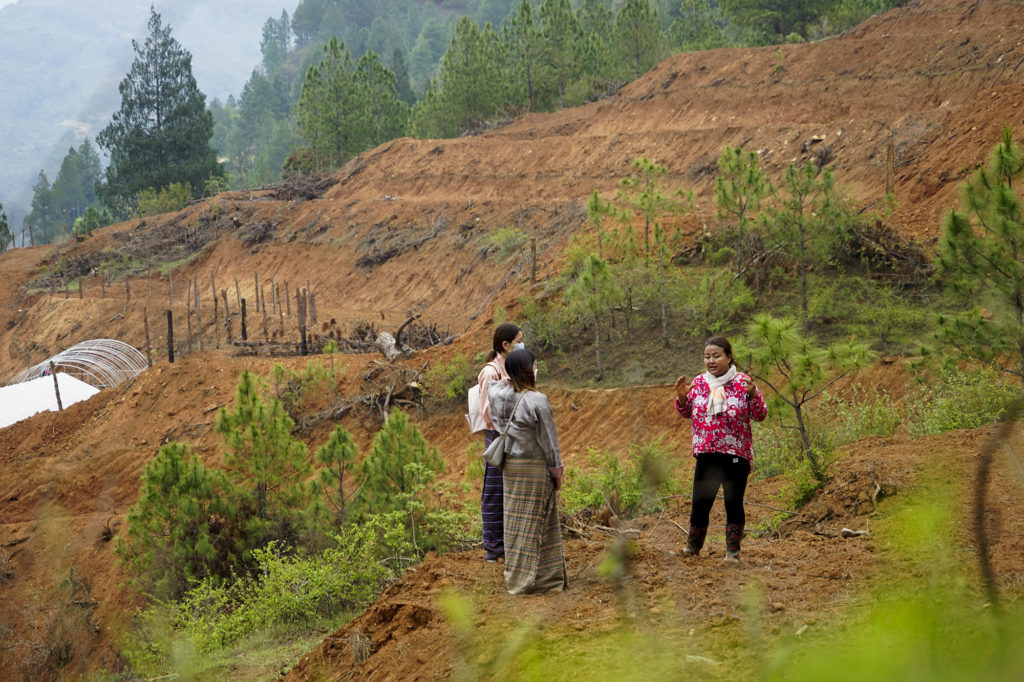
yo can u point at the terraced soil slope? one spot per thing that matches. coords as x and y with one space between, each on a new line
400 232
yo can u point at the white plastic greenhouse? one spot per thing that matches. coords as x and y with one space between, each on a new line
82 371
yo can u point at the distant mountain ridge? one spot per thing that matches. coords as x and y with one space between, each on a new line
62 60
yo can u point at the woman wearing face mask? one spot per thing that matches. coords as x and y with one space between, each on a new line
534 558
721 402
507 337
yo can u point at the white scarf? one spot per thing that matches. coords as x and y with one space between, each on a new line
717 401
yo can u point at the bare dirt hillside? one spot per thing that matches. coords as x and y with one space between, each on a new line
400 232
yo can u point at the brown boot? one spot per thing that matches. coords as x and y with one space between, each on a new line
695 540
733 536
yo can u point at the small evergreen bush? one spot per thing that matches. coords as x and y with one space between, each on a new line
631 484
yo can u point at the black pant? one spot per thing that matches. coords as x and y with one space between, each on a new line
715 470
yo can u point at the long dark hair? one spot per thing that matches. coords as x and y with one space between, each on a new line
519 366
722 343
506 331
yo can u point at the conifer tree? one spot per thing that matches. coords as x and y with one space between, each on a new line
384 115
389 471
560 46
42 220
981 255
596 18
179 530
338 455
697 27
638 37
403 84
643 193
590 293
522 40
808 205
739 186
6 237
276 41
161 132
798 371
326 115
267 465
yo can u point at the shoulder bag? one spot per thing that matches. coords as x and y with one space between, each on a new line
495 452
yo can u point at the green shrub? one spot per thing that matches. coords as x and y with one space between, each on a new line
293 591
174 197
631 484
863 413
958 400
451 379
508 243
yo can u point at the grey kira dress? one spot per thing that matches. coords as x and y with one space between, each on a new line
534 559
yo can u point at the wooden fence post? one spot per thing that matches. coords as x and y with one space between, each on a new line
170 337
216 331
287 301
263 299
149 348
890 168
300 307
199 320
241 309
227 315
533 260
56 386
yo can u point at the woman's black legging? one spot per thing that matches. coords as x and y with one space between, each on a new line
715 470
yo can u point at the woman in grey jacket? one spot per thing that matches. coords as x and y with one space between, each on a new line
532 475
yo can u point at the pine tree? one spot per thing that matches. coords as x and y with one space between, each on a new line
981 256
42 221
590 294
697 27
267 465
161 132
338 455
6 238
274 45
596 17
74 188
561 42
638 37
798 371
808 205
403 85
389 472
179 530
522 41
384 115
740 186
326 115
644 193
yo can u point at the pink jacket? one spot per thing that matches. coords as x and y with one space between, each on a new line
492 371
728 432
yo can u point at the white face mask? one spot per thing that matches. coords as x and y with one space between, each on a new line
518 346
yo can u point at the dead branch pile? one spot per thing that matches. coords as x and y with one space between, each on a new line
302 187
390 385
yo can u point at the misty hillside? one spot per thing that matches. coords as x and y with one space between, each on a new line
61 62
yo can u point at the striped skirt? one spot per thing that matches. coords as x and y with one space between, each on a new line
534 560
491 510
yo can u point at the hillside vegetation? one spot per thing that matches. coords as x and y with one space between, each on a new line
445 229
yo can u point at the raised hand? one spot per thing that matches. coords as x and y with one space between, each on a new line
748 387
682 387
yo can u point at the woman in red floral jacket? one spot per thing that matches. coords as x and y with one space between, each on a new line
721 402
